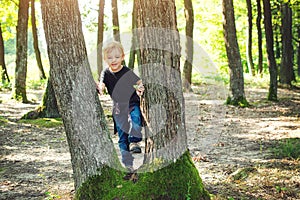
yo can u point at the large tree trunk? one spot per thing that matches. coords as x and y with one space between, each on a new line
286 67
259 38
233 55
35 42
270 52
4 74
92 151
189 28
19 90
249 41
100 37
163 103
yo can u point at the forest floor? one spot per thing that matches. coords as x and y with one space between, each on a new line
232 147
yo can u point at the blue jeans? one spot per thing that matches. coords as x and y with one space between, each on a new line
129 127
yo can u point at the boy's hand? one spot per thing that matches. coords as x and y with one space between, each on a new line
139 89
100 87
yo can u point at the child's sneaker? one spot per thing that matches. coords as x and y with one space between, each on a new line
135 148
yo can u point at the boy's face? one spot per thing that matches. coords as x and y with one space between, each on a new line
114 59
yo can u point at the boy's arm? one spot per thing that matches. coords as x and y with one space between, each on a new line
100 86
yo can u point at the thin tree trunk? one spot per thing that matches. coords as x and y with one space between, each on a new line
19 90
35 42
259 38
270 52
4 74
115 20
286 67
100 37
249 41
189 48
133 50
92 151
298 51
233 55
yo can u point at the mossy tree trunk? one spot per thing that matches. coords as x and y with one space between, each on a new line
90 146
48 107
233 56
19 89
166 154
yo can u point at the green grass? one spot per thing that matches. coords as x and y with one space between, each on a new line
198 79
36 84
287 148
43 122
256 81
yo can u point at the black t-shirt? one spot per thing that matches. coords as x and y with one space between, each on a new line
120 86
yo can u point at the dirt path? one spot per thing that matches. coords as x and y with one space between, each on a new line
35 162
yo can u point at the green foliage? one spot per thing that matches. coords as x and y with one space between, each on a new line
5 85
287 148
3 121
179 180
43 122
8 16
36 84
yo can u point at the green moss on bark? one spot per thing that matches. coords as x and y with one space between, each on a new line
179 180
241 101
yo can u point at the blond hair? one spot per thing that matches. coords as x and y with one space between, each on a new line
111 46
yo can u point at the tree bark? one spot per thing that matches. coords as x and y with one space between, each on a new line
163 103
115 20
48 107
19 90
298 51
161 74
259 37
4 74
233 55
133 48
91 148
286 66
249 42
270 52
187 68
100 37
35 42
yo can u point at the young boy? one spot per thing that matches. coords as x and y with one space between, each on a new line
125 89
